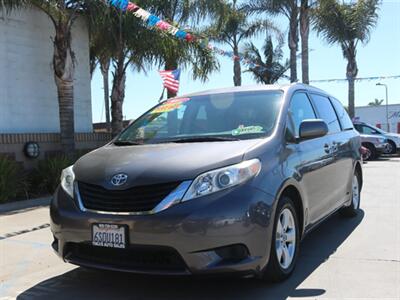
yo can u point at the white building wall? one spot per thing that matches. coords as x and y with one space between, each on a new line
376 115
28 94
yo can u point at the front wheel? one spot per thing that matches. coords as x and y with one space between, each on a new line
354 207
285 242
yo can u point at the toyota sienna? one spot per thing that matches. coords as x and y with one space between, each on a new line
223 181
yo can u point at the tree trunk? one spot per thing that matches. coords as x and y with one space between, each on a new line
63 65
171 94
118 96
293 43
237 69
351 97
350 53
105 68
304 32
65 90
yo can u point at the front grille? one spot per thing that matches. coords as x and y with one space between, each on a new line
135 258
137 199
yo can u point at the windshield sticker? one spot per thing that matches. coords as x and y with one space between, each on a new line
170 105
241 130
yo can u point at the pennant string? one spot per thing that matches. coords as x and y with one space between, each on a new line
154 21
357 79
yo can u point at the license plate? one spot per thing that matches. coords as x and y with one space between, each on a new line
109 236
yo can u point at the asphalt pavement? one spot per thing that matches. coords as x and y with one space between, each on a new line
344 258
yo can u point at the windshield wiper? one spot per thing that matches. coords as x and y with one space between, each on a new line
127 143
200 139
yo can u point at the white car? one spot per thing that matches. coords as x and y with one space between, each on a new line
376 145
393 139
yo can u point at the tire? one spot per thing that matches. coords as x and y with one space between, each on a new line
280 269
372 149
393 147
354 207
367 155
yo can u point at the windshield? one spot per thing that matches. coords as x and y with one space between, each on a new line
225 117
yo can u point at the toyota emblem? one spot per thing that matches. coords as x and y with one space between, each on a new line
119 179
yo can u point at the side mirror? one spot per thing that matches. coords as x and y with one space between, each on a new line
311 129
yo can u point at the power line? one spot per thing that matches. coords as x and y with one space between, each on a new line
358 79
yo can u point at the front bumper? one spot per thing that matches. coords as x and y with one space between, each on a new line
201 236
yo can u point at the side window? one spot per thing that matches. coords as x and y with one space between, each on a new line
327 113
368 130
359 128
342 114
300 110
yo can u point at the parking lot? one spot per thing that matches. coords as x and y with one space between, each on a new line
356 258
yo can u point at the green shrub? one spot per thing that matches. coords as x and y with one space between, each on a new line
46 177
13 181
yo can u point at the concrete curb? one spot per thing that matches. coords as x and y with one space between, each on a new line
14 207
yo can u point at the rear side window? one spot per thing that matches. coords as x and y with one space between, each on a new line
300 110
342 114
327 113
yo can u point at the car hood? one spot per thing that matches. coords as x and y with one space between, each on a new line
160 163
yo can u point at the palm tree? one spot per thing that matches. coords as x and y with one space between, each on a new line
235 27
347 24
376 102
173 53
270 70
289 9
122 39
63 15
100 55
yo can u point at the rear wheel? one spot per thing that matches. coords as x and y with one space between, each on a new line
285 242
367 155
373 154
354 207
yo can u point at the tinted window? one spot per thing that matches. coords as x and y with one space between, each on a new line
300 110
241 115
366 129
327 113
342 114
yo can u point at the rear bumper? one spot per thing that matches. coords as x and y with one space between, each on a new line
202 236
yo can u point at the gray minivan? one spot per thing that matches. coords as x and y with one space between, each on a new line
216 182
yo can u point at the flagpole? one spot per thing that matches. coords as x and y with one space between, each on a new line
162 95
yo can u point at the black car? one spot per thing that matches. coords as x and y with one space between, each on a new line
216 182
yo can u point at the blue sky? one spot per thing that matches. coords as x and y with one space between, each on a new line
380 57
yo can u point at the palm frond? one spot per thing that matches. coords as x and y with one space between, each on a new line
340 23
269 69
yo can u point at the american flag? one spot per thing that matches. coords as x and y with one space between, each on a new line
171 80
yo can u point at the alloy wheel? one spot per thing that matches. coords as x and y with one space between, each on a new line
388 148
285 242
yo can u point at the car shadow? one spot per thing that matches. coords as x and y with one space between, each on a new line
316 248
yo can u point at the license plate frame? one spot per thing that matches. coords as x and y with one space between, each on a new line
106 235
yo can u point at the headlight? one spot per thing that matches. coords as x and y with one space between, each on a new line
67 181
221 179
